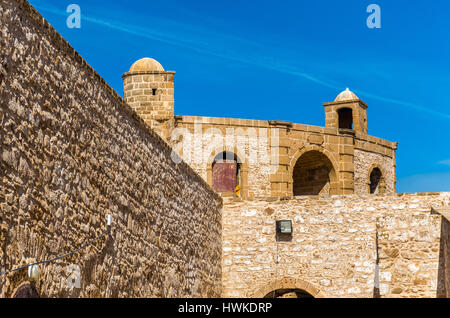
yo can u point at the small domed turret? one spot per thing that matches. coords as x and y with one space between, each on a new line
149 90
346 95
347 111
146 65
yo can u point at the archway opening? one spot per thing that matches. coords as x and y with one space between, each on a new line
289 293
226 172
345 118
26 291
313 174
376 178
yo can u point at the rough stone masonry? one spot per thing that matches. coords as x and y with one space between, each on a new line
342 246
72 152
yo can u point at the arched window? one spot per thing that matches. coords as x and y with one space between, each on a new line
312 174
226 169
345 118
375 185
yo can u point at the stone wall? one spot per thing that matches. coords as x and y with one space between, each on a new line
270 150
445 247
200 139
342 246
72 152
444 254
365 162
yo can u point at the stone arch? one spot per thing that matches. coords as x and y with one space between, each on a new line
380 188
26 290
286 283
243 167
333 174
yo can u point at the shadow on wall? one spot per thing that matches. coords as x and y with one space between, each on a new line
443 283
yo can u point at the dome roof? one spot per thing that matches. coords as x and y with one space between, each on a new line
146 65
346 95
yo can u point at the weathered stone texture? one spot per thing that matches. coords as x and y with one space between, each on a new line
444 255
271 151
342 246
364 162
278 157
72 152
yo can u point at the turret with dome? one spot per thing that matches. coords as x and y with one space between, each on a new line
146 65
347 112
346 96
149 90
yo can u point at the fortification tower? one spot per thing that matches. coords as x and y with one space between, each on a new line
346 112
149 90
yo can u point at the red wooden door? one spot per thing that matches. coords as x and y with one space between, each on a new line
224 176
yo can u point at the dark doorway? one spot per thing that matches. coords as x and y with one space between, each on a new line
26 291
345 118
289 293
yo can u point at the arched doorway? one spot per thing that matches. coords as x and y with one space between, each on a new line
226 173
286 287
27 290
313 174
376 182
289 293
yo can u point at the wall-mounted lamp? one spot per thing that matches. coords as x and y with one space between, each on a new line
109 220
34 272
284 227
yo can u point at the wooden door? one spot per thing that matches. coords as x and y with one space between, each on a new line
224 174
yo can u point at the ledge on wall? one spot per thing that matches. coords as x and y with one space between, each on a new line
444 211
280 123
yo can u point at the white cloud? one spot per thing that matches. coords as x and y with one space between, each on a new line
228 47
445 162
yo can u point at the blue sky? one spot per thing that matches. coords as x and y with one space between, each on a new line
265 59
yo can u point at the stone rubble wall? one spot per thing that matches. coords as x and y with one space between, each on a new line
365 161
444 260
342 246
270 150
202 142
72 152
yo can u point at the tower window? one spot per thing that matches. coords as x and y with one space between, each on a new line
376 179
345 118
154 91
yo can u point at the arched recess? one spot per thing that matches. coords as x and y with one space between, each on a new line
287 285
233 154
315 167
376 181
26 290
345 118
